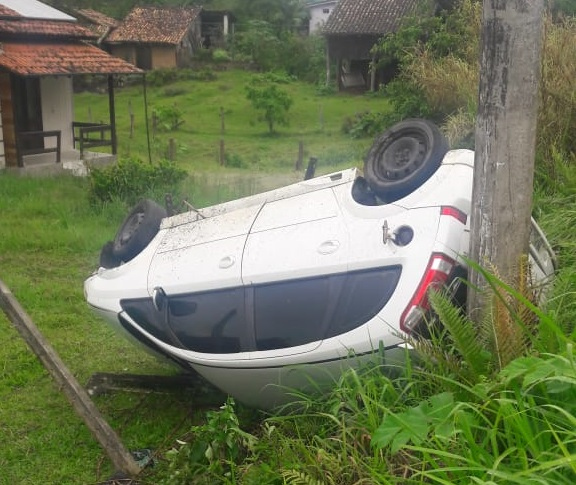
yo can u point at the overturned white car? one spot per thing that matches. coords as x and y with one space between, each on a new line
272 292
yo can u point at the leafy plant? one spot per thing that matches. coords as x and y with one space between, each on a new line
271 101
220 55
214 449
365 124
131 179
168 118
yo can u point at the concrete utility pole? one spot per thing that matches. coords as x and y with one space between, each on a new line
511 47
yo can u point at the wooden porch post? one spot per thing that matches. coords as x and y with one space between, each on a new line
112 114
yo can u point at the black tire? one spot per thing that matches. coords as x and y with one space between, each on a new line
107 257
138 229
403 158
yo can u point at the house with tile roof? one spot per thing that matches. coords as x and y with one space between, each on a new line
41 50
168 37
354 27
318 12
157 37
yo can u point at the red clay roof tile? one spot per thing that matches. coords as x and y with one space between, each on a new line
8 12
42 59
48 28
98 17
155 25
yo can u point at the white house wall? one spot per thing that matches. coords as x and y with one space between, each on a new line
319 14
57 109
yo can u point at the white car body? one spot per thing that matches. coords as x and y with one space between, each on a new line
274 292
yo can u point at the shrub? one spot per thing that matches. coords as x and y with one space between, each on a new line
271 101
168 118
131 179
235 161
366 124
160 77
220 55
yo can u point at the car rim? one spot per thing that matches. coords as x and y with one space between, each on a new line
402 157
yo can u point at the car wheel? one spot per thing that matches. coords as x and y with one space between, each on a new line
138 229
107 257
403 158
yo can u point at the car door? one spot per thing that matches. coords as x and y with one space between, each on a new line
197 268
292 249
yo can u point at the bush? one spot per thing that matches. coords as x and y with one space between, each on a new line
271 101
220 55
168 118
130 179
366 124
160 77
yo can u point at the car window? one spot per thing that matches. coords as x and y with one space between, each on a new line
298 312
290 313
364 294
142 310
211 322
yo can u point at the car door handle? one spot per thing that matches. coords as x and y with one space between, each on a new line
226 262
328 247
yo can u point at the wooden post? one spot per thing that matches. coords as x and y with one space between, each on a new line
131 119
300 155
505 140
311 169
171 149
77 396
154 124
112 110
222 125
222 156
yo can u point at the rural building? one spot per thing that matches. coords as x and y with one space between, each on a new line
101 25
319 11
157 37
41 49
353 28
168 37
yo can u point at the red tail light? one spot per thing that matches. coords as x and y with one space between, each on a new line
457 214
439 268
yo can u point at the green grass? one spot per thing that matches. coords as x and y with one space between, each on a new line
315 120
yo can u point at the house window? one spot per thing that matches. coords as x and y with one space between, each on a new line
326 10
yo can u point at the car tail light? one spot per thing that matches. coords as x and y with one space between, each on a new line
439 268
457 214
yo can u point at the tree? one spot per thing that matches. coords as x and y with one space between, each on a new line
505 140
272 101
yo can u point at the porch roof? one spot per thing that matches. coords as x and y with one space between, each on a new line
43 59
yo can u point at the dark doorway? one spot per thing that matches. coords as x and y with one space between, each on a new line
144 57
28 110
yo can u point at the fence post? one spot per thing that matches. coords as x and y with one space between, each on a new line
311 170
222 153
171 149
131 119
300 155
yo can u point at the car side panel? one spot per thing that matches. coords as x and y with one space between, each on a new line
202 255
295 238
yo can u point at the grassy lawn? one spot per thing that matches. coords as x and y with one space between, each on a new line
313 119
